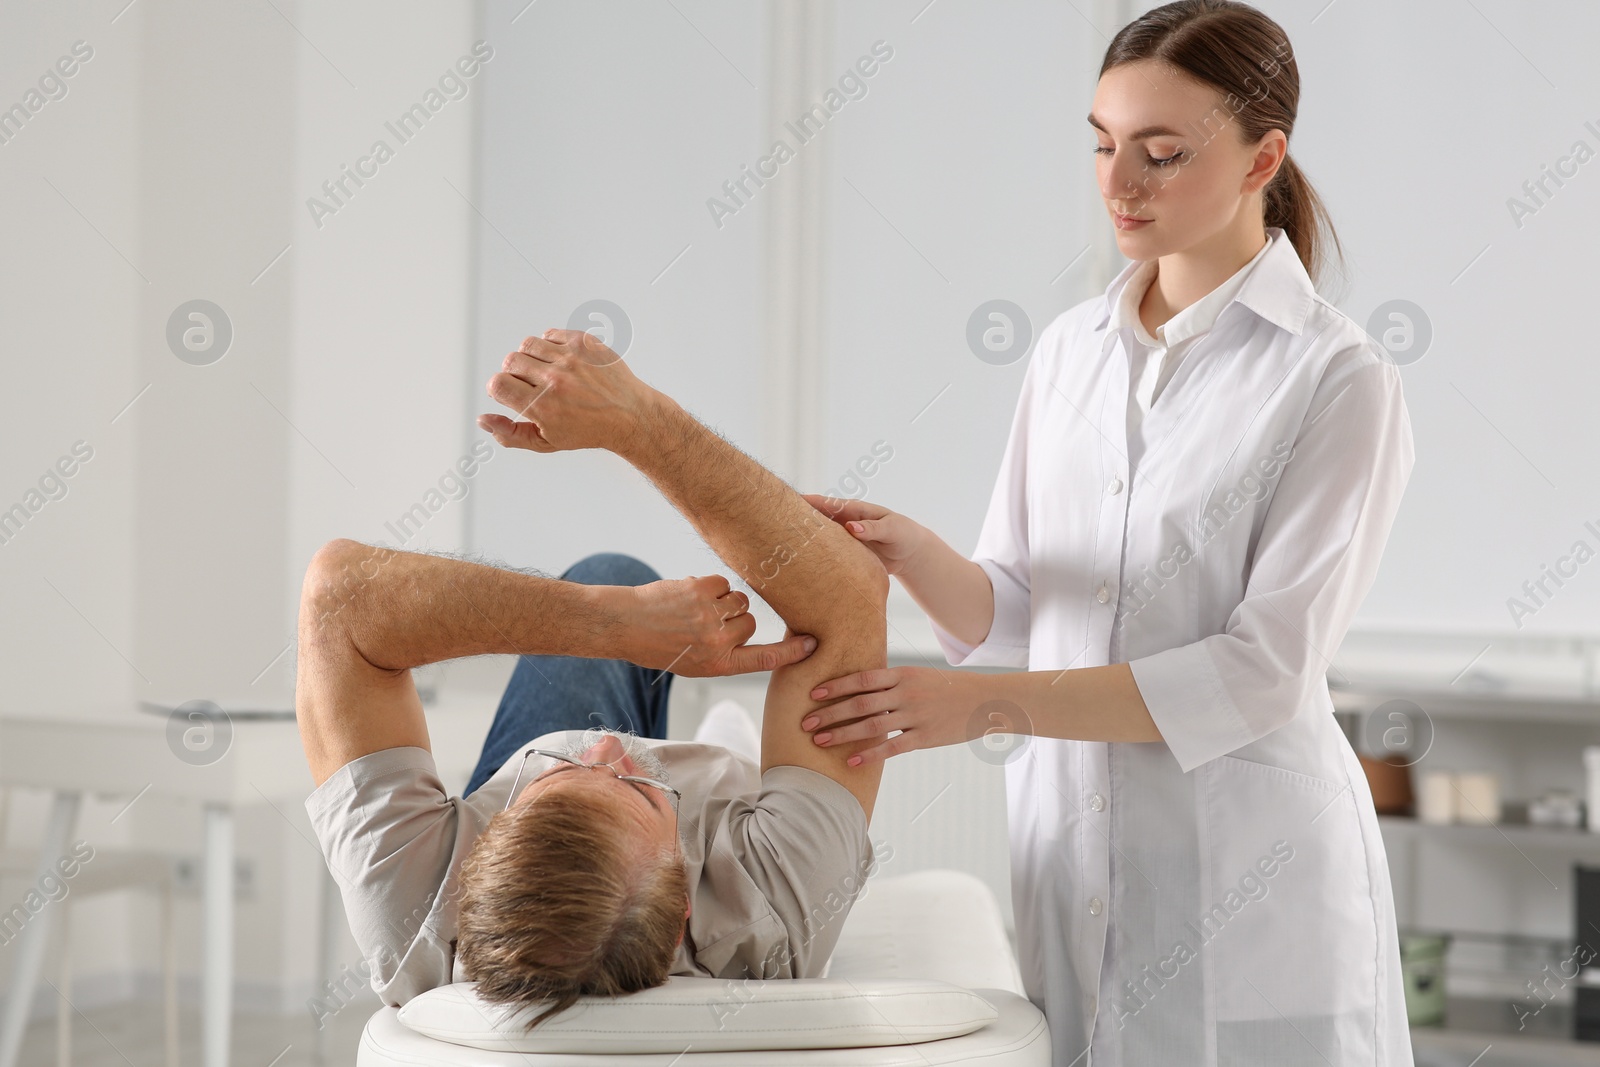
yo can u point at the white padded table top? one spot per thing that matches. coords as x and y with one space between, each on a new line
937 926
1018 1038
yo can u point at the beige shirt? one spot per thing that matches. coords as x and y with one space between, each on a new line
774 860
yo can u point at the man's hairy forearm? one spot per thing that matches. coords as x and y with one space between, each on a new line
754 520
406 609
813 574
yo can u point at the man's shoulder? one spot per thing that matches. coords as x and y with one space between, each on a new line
711 769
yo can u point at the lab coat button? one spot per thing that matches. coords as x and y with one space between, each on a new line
1102 594
1115 487
1097 803
1094 905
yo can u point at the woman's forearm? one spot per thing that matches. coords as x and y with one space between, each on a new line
952 590
1080 704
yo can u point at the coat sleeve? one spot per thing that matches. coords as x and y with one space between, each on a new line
1316 557
1002 549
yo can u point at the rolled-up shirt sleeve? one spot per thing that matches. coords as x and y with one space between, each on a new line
1316 557
393 842
1002 549
788 863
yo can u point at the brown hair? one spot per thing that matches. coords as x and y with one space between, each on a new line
1245 55
559 899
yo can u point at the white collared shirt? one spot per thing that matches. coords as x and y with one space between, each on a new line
1157 355
1221 896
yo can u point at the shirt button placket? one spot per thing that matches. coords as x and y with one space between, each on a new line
1097 804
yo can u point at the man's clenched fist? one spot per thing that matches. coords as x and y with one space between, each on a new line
568 391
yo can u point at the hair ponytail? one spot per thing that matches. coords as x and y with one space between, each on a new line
1290 201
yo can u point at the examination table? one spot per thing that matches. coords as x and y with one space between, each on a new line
923 974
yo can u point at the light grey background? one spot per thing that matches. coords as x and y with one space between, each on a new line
965 175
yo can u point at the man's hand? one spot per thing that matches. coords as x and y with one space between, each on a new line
570 392
697 628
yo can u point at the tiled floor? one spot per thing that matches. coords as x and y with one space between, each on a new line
131 1034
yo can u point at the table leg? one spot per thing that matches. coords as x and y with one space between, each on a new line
35 936
64 1001
169 976
216 994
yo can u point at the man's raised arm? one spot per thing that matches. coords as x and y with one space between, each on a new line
574 392
369 614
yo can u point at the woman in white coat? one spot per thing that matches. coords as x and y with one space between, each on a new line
1203 469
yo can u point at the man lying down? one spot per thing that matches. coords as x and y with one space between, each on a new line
589 855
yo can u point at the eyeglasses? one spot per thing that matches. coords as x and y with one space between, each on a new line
551 760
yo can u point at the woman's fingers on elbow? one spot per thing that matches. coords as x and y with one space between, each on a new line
862 529
875 754
864 681
904 741
860 726
839 735
844 711
843 509
835 687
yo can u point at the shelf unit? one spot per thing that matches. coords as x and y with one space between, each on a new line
1545 685
1575 842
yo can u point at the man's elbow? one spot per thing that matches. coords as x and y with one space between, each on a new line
877 581
335 582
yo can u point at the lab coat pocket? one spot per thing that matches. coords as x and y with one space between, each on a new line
1288 917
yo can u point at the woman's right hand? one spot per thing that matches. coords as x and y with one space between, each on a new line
953 590
892 537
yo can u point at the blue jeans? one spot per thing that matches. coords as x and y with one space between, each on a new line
548 693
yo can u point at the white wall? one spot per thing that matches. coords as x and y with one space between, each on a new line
190 144
71 307
1419 122
596 165
964 174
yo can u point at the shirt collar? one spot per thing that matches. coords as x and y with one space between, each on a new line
1277 288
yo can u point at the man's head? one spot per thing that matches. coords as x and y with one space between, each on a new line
579 887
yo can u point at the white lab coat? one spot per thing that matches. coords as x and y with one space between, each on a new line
1222 897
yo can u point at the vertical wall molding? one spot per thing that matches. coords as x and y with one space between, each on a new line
793 360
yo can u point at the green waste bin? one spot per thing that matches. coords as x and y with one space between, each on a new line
1422 967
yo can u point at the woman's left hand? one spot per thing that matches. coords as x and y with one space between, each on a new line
929 707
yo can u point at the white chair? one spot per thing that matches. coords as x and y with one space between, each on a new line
106 871
923 974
